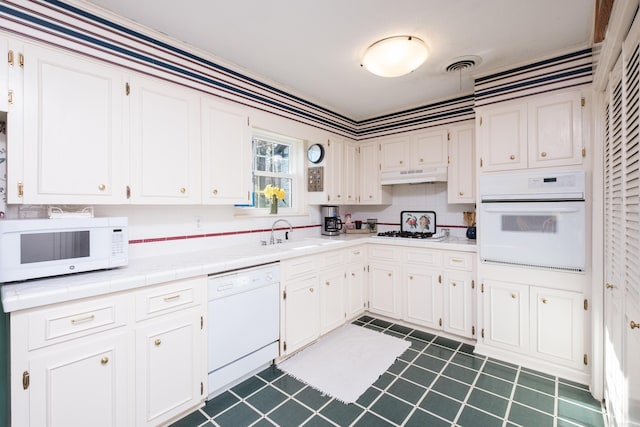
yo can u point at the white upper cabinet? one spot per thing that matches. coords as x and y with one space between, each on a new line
334 170
555 130
461 172
350 177
395 153
429 149
73 129
165 142
226 153
370 189
543 131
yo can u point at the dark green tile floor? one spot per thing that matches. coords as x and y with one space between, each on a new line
437 382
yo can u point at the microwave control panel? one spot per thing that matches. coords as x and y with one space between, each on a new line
315 181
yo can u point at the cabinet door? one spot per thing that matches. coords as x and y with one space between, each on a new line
332 311
557 326
355 289
350 173
302 313
226 154
429 149
458 314
503 134
170 374
395 153
370 190
423 297
555 130
84 380
73 134
4 72
461 173
333 173
506 315
384 289
165 142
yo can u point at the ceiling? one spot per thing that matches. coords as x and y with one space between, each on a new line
313 48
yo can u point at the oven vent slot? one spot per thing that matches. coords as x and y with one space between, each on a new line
543 267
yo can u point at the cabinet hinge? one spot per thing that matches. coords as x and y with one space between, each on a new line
284 346
248 122
25 380
448 136
439 278
201 388
584 152
284 294
448 160
582 102
586 305
128 191
248 195
10 57
21 60
368 304
482 288
328 143
482 333
201 322
473 284
440 322
367 268
473 330
10 97
585 360
480 120
480 161
20 189
127 89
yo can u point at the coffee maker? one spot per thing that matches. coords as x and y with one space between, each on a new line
331 223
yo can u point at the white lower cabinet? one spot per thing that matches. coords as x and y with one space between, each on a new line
423 296
384 281
355 281
506 315
72 383
130 358
332 311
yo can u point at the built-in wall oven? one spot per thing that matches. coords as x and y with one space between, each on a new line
533 219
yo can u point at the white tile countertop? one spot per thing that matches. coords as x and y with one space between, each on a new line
160 269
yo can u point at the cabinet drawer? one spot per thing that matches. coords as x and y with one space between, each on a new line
171 297
424 257
68 321
384 253
298 266
356 255
458 261
333 259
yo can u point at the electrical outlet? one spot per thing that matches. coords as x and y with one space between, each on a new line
198 222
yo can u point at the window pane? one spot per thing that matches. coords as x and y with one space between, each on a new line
261 182
271 156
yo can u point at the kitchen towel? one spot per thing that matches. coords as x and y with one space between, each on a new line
344 363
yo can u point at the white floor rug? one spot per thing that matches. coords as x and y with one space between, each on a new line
346 362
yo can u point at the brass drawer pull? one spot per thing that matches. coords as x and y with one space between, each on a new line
172 298
85 319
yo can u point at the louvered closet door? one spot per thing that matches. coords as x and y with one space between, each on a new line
631 209
613 242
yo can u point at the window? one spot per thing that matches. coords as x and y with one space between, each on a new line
276 161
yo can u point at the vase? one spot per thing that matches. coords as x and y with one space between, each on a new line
274 205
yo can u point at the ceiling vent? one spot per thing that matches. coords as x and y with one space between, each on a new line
463 63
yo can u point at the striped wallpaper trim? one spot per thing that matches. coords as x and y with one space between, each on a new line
66 26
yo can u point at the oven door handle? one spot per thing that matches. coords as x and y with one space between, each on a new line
533 211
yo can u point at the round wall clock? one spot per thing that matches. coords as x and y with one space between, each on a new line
315 153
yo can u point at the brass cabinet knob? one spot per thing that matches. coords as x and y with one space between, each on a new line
389 274
311 290
512 157
401 162
157 342
461 193
544 300
183 190
370 196
454 284
513 296
421 160
634 325
353 274
543 154
104 360
101 187
215 191
410 277
328 283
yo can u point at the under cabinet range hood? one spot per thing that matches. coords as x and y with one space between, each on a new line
414 176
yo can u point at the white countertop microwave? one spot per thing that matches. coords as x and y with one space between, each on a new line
35 248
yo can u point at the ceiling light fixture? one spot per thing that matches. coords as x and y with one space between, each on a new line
395 56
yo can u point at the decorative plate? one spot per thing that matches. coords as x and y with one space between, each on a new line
418 221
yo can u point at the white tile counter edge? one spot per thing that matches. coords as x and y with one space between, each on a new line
156 270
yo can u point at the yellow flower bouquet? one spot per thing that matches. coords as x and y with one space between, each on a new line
274 194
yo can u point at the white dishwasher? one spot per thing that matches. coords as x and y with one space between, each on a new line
244 324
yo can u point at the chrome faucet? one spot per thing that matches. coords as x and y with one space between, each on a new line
273 226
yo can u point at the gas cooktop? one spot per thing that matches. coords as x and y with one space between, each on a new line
411 235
